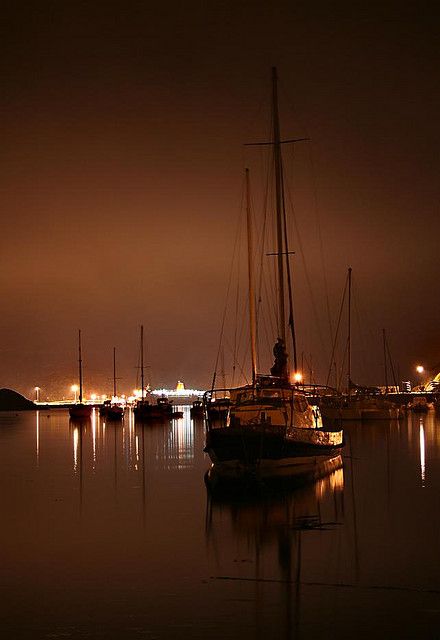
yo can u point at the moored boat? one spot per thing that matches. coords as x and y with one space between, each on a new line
420 404
196 411
112 409
268 426
80 410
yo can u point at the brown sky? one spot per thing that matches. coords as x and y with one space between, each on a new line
121 169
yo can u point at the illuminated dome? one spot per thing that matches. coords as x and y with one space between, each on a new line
180 386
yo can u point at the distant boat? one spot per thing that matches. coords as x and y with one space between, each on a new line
196 410
111 409
145 410
420 404
80 410
142 407
358 403
269 426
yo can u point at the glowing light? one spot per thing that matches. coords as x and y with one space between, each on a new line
93 396
180 386
37 394
74 388
420 369
297 376
422 454
38 438
75 448
178 392
94 438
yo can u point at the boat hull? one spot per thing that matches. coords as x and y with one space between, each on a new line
352 413
116 413
220 477
150 414
238 450
80 411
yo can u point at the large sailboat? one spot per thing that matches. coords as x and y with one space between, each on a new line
270 427
80 410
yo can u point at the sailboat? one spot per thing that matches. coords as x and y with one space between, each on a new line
80 410
144 410
270 428
110 408
359 403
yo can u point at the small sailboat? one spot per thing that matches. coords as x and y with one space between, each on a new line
142 407
80 410
270 427
146 411
196 412
358 403
111 409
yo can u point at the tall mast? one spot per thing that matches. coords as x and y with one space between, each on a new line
349 332
252 323
385 359
80 367
279 205
289 281
142 361
114 371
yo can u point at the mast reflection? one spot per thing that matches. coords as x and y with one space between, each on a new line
75 448
422 453
37 437
261 522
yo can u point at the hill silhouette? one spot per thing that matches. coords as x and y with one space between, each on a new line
12 401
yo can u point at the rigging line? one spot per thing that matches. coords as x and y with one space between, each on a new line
262 242
320 241
391 362
271 301
243 373
306 273
242 330
337 331
341 370
289 275
237 298
360 334
222 328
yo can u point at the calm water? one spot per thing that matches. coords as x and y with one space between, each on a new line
109 532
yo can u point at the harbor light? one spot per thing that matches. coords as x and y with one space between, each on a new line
297 377
420 369
74 388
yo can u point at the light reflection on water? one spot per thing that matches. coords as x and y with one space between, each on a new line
422 453
109 530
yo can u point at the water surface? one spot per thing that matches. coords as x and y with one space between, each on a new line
109 531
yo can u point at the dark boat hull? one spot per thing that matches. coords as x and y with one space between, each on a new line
238 450
112 414
78 411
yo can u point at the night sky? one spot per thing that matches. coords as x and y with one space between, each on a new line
121 177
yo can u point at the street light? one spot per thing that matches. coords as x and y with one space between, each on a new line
37 394
420 370
75 390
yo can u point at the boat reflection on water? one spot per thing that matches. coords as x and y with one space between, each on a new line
174 444
270 525
327 476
